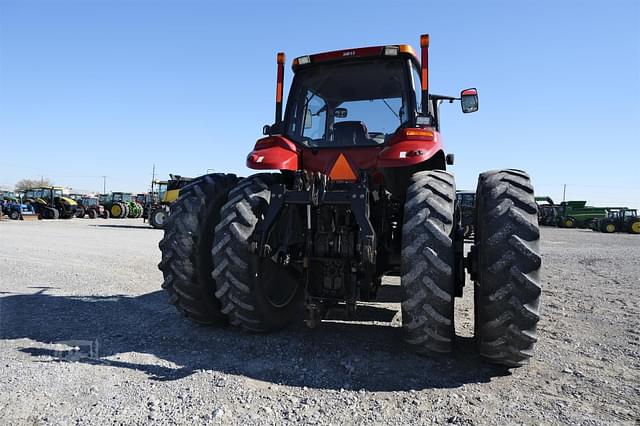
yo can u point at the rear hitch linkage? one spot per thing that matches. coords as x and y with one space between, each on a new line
313 190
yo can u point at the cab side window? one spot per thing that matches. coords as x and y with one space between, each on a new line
315 117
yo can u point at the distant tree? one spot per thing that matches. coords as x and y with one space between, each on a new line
25 184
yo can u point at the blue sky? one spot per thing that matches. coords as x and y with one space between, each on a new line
91 88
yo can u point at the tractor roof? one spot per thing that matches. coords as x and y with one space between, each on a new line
390 51
46 187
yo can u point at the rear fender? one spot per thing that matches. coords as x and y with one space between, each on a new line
408 153
274 153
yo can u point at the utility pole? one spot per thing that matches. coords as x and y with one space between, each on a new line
104 184
564 192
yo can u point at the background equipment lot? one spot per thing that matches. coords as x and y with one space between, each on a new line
139 361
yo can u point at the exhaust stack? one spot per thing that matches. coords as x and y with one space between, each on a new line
424 61
279 87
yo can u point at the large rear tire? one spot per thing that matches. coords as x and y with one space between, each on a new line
80 212
428 262
257 294
92 213
116 210
507 283
186 248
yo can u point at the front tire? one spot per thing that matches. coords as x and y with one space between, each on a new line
568 222
80 212
186 248
158 217
428 262
507 284
257 294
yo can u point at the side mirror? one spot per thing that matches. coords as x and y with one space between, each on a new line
340 113
308 120
266 130
469 100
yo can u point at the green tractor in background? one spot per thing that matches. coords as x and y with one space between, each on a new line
619 219
135 209
121 205
116 208
576 214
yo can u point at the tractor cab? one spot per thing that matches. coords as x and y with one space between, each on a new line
124 197
158 191
348 111
89 201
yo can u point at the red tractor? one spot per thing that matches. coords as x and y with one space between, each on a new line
90 206
357 189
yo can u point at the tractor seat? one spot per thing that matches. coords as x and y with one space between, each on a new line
350 133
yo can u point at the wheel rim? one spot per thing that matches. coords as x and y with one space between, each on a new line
635 227
159 217
116 211
611 228
279 291
568 223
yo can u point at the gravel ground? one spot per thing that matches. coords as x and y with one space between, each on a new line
87 337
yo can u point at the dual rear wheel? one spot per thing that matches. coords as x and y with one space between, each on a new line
119 210
505 261
212 277
208 271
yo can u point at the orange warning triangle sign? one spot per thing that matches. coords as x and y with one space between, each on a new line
342 170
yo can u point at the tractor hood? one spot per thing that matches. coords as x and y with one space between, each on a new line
68 201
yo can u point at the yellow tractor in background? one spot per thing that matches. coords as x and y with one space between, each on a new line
50 202
163 194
